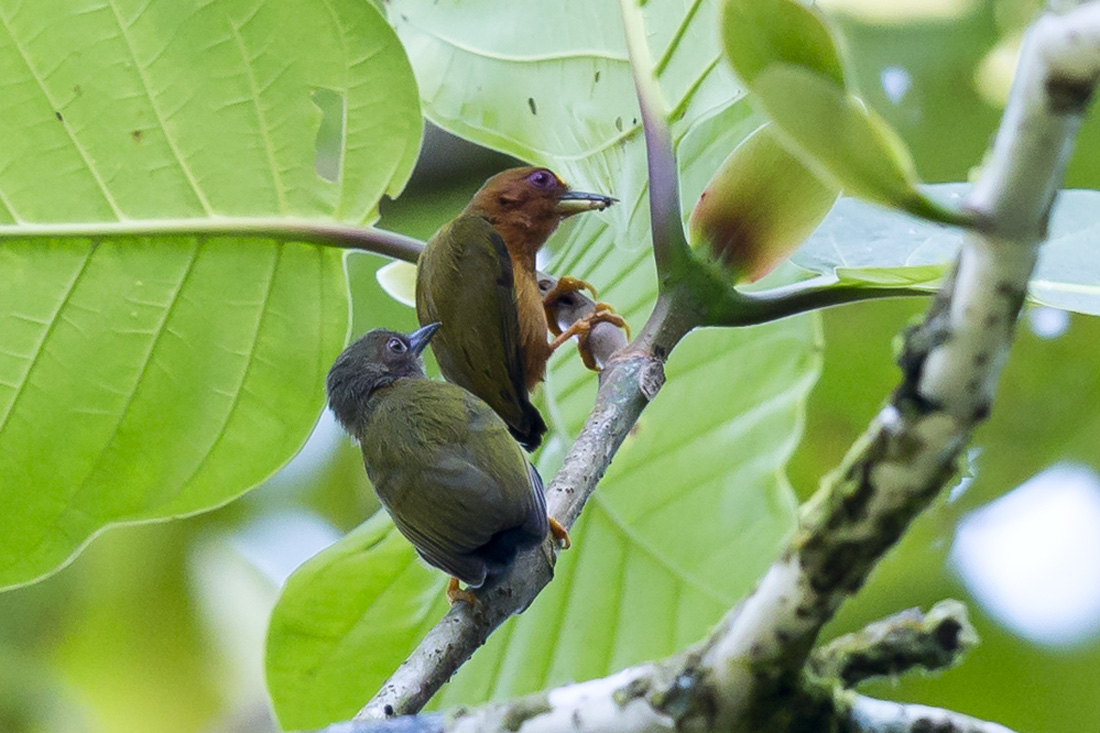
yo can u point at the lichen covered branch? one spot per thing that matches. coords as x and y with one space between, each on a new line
908 640
869 715
950 365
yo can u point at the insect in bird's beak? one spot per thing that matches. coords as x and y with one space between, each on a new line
574 202
418 339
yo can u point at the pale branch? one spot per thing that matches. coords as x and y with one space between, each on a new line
950 363
869 715
908 640
676 694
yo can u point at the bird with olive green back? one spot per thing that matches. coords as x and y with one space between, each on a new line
442 462
477 277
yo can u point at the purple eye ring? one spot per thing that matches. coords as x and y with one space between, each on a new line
543 179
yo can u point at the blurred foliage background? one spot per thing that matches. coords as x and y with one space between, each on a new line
161 627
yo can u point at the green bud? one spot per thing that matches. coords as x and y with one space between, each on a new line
760 205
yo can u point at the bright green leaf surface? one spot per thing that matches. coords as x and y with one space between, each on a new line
866 244
758 33
835 132
695 503
150 377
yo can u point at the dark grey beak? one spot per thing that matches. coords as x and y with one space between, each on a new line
574 202
418 339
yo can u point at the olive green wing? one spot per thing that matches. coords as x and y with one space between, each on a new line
452 478
464 281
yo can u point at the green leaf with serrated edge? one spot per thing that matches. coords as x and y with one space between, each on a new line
760 205
864 244
145 377
834 133
551 84
369 591
758 33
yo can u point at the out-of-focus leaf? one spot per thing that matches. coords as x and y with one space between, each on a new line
760 205
146 377
837 134
759 33
861 243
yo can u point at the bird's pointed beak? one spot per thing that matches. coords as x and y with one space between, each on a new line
574 202
418 339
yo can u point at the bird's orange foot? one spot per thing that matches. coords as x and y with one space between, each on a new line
560 533
582 328
456 594
564 285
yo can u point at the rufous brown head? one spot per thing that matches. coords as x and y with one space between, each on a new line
525 205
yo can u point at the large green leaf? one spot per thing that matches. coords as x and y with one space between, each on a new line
695 504
862 244
151 376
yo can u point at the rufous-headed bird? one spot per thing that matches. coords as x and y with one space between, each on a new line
442 462
477 277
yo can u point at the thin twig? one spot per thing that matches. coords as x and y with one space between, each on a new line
908 640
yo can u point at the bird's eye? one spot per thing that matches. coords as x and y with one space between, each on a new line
542 179
396 345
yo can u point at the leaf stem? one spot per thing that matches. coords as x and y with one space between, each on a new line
669 245
751 309
324 233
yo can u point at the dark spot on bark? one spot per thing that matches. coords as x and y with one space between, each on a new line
58 116
981 360
596 78
833 567
1012 293
907 446
531 104
619 124
947 634
1067 96
782 637
756 650
973 385
855 502
137 135
981 412
77 90
634 121
388 710
924 725
404 17
803 612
